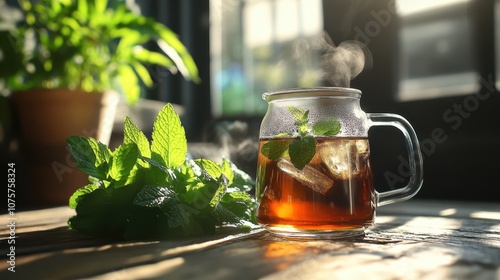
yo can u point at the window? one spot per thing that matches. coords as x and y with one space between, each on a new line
248 41
436 55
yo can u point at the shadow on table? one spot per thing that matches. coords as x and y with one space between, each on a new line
414 240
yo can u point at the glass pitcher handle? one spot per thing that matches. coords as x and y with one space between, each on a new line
414 157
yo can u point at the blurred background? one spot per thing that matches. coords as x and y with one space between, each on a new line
434 62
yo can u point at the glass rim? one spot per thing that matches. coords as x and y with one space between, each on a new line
312 92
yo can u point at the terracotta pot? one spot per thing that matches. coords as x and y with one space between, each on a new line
46 118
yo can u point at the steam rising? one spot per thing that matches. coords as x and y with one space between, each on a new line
337 65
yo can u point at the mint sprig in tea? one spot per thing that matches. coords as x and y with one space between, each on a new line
314 178
302 149
310 179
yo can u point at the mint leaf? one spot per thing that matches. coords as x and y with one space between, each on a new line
169 139
153 196
211 167
104 154
241 196
221 190
326 127
241 180
156 173
105 212
200 195
132 134
91 156
216 177
93 214
227 171
78 194
166 200
176 215
274 149
187 175
302 150
123 160
301 117
241 205
222 214
155 164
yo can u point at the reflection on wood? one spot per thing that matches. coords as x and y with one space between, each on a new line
400 245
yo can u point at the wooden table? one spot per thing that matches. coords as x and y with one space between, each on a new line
411 240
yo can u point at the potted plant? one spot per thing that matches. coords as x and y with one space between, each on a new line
63 62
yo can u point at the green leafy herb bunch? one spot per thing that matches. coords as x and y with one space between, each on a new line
150 190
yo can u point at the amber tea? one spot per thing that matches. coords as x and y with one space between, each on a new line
334 191
314 178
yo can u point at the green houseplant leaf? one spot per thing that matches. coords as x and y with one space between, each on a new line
94 45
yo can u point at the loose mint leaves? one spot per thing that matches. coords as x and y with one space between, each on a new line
302 149
144 190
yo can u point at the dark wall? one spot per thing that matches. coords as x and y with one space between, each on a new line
190 20
459 135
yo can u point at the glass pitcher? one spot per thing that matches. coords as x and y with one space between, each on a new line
313 173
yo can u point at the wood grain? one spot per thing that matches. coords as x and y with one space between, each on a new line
410 240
